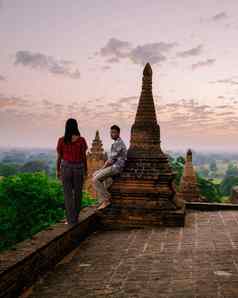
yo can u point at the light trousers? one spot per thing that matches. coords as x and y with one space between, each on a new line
102 180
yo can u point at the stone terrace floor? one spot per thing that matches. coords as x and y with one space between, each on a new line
199 260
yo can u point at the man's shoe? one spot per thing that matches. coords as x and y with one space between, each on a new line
104 204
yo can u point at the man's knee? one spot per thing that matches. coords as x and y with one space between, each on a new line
95 180
97 173
102 174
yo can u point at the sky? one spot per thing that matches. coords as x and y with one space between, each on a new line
79 59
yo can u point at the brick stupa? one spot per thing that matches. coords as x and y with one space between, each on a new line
144 193
188 187
96 158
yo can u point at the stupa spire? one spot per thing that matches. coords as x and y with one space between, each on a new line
97 137
145 132
146 108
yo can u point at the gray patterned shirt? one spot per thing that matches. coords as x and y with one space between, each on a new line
118 154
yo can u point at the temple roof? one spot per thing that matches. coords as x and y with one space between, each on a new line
198 260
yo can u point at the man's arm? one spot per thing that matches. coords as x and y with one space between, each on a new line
107 163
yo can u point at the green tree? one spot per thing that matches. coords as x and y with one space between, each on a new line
35 166
232 170
14 157
177 166
9 169
227 183
209 190
30 202
53 170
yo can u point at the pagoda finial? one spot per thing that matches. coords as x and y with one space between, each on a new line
147 70
189 155
97 137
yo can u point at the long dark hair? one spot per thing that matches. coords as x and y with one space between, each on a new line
71 128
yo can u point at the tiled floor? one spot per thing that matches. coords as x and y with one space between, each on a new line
199 260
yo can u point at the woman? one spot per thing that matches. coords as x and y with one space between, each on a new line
71 168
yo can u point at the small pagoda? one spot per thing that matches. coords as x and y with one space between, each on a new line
96 158
188 187
144 193
234 195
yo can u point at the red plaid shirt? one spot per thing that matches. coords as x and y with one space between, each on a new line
75 151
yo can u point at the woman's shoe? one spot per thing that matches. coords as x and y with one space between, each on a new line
68 223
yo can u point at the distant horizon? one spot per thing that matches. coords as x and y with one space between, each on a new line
214 151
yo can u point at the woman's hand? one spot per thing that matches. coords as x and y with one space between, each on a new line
58 175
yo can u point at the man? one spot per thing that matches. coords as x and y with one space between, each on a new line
102 178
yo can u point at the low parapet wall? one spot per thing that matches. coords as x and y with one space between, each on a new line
211 206
21 267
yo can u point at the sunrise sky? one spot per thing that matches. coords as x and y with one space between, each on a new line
84 59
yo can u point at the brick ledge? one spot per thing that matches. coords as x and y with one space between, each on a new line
211 206
21 267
